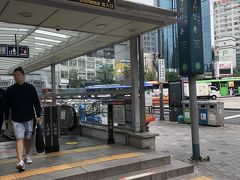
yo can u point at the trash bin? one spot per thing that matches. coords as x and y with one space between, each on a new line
210 113
186 112
203 112
216 113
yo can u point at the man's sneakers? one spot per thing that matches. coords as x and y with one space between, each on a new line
27 159
20 166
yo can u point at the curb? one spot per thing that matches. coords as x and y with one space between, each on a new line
232 109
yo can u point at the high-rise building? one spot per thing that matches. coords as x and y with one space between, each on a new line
206 30
149 42
169 36
227 26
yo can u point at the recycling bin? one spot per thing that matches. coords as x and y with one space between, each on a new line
203 113
186 112
216 113
211 113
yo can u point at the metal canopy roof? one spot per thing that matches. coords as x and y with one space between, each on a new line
83 28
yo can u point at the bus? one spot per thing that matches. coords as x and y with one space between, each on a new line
226 86
102 88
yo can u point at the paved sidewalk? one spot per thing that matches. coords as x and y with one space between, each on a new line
222 144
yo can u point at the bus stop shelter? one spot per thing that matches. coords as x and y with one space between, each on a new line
59 30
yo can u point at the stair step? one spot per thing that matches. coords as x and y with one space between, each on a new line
173 170
109 168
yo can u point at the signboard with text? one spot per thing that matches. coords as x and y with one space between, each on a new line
161 70
190 37
118 112
110 4
14 51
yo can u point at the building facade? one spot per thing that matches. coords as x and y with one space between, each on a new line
148 62
150 43
168 38
227 26
86 67
206 29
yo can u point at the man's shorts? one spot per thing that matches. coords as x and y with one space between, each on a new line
23 130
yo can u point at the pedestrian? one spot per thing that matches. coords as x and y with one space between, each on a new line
2 95
23 101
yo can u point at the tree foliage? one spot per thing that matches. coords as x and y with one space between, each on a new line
172 76
150 76
105 74
74 81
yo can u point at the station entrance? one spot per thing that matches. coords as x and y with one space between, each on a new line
39 34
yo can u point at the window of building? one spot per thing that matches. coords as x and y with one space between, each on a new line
90 65
65 63
81 63
73 62
64 74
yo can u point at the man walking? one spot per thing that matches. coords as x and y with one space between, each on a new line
23 101
2 95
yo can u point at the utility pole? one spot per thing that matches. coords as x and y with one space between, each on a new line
159 79
191 59
194 117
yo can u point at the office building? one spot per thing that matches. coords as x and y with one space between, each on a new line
227 31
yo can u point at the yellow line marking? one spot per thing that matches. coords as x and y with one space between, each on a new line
45 170
60 153
202 178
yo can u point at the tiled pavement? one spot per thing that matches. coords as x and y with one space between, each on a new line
222 144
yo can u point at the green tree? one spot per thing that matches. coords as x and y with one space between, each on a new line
172 76
150 75
74 81
105 74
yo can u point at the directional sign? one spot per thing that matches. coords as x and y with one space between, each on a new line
110 4
14 51
190 37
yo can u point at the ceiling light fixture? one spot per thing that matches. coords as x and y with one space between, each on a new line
101 26
25 14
